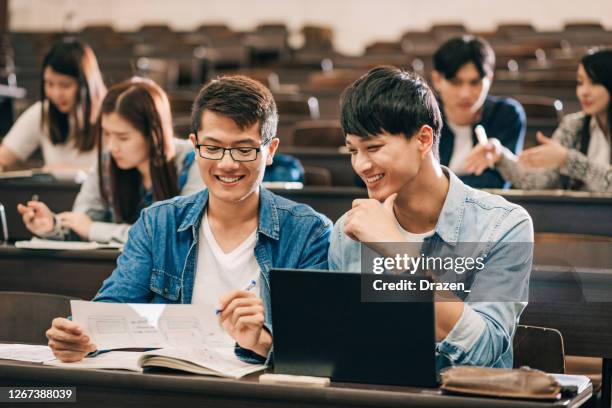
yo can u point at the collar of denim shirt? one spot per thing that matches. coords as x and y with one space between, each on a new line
268 223
451 215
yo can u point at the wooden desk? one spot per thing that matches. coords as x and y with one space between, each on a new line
72 273
339 164
565 211
331 201
586 324
96 388
551 211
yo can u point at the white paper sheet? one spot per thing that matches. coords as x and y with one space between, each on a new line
122 360
131 325
38 243
26 352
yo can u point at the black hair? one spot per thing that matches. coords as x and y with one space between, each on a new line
241 99
597 64
143 104
388 99
456 52
77 60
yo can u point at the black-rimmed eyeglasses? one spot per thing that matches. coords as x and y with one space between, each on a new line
238 154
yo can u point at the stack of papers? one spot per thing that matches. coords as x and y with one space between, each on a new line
569 381
26 352
118 360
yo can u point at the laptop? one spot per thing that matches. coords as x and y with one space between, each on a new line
322 328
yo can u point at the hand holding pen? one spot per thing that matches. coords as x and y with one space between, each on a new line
37 217
484 155
242 315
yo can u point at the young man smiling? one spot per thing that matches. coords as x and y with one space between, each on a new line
462 76
204 248
392 125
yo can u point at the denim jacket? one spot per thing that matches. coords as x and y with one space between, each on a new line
483 335
158 263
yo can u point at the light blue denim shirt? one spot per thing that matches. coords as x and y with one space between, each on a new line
158 263
483 335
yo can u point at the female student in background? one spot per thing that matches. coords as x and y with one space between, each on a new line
577 157
62 122
140 162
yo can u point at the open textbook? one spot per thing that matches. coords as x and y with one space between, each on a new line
179 333
203 360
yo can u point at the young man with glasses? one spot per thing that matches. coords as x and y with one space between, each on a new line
208 248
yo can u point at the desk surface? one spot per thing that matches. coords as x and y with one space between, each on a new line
72 273
96 388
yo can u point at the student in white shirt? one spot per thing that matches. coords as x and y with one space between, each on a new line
577 156
62 122
141 163
209 247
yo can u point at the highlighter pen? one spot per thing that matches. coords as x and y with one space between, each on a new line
250 286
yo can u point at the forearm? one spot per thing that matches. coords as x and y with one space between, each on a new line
578 166
264 344
109 232
7 158
511 171
447 315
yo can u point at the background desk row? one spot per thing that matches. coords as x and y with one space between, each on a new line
558 212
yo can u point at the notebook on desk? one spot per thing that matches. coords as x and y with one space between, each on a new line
322 328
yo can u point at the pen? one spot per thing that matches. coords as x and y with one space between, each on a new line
250 286
481 135
34 198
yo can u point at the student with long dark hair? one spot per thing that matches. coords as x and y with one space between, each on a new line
62 123
140 162
577 157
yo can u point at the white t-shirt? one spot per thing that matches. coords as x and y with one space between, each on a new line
599 145
218 273
462 147
26 136
412 237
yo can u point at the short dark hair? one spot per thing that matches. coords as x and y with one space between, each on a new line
239 98
457 52
391 100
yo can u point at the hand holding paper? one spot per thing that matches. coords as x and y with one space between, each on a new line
68 340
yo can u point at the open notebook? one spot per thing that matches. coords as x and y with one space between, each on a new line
203 360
